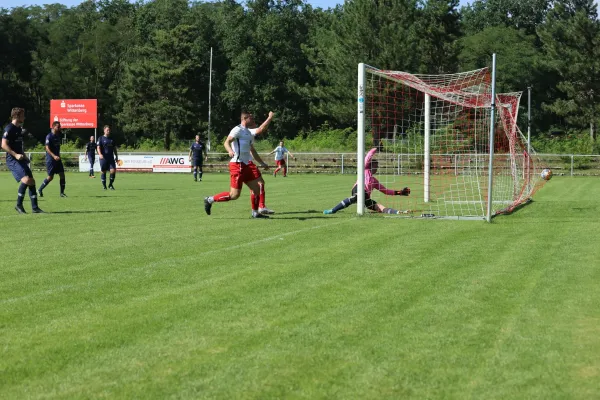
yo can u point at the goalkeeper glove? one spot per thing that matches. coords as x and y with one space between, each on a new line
403 192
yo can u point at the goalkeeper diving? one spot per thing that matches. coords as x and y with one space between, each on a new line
370 183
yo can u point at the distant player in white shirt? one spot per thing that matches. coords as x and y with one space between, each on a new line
280 158
240 146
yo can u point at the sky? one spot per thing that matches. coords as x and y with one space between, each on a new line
70 3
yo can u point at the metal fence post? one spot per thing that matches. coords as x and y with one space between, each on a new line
456 165
572 162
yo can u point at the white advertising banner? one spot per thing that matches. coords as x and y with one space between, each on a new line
171 164
125 164
166 163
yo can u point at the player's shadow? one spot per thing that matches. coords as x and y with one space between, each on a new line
80 212
101 197
301 218
300 212
297 215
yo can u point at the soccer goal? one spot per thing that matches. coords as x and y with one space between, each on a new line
461 154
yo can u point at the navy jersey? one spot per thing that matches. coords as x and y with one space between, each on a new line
91 148
107 147
53 143
14 136
197 150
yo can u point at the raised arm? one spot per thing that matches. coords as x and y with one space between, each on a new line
263 127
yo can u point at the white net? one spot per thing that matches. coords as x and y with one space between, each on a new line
432 135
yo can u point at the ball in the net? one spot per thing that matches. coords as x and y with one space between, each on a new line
546 174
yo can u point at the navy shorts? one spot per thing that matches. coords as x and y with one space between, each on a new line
197 162
54 167
369 203
92 159
19 169
105 164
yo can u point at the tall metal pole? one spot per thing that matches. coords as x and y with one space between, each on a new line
492 131
529 120
427 149
209 96
360 153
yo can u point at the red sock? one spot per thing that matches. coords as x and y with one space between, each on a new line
224 196
276 170
284 171
262 197
254 200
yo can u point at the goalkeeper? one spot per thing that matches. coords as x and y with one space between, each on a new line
370 183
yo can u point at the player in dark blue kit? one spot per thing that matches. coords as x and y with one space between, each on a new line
16 161
197 156
54 164
108 157
90 154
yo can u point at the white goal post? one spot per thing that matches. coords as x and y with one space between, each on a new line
450 138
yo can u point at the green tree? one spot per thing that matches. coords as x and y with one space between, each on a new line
155 95
571 40
379 33
439 31
525 15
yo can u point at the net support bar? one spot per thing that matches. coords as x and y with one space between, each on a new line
360 156
427 149
492 131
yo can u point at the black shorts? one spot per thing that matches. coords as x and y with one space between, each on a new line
369 203
19 169
92 159
197 162
106 164
54 167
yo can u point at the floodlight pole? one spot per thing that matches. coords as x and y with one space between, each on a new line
427 149
529 120
209 96
360 153
492 131
528 158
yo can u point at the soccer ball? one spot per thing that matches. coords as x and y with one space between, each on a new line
546 174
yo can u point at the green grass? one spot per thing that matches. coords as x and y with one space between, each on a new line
138 294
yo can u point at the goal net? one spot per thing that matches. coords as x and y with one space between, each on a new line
432 134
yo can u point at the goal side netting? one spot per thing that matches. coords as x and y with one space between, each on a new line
432 134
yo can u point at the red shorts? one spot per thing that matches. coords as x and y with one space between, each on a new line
241 173
280 163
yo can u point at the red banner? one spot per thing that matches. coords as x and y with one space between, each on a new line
74 114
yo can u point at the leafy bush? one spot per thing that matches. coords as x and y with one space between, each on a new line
574 142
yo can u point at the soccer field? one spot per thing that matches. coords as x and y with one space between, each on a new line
137 293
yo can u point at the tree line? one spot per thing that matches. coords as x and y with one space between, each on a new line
147 63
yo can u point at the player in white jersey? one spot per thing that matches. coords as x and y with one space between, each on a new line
280 158
240 146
